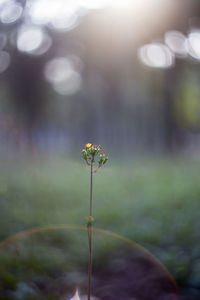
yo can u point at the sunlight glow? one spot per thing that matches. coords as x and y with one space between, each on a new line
124 2
193 44
61 73
176 41
156 55
2 2
60 14
66 14
33 40
136 5
94 4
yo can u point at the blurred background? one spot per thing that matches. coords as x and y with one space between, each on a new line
120 73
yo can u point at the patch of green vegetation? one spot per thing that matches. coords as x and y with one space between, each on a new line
156 203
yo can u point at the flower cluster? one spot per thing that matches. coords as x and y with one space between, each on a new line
91 151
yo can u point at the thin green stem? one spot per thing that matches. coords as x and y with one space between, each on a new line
91 187
89 229
90 261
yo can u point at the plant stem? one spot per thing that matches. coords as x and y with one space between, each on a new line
89 229
91 187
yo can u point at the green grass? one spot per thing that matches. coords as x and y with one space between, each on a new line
153 202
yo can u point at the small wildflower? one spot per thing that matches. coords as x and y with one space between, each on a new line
90 152
88 146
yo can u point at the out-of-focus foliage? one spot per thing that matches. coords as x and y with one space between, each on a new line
116 65
154 203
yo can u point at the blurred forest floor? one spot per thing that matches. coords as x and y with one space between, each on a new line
154 202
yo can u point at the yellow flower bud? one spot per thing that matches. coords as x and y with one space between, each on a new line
88 146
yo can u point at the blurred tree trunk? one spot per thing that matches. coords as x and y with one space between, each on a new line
173 135
26 81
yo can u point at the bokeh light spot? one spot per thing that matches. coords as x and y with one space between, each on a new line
65 22
70 86
176 41
61 14
156 55
61 73
33 40
10 12
193 44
